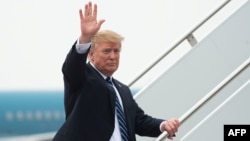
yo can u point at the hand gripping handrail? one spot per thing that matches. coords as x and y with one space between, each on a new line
207 97
186 36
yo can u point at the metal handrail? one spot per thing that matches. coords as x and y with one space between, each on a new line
176 44
206 98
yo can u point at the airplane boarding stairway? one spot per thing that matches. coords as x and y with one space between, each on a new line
209 86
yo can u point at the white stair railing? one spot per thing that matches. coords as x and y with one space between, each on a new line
188 36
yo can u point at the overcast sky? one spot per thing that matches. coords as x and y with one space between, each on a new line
36 35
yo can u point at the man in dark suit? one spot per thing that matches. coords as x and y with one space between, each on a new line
90 101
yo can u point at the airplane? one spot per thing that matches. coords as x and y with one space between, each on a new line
32 114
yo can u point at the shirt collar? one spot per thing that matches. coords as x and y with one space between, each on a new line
104 76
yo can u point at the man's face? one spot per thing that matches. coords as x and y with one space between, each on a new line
105 57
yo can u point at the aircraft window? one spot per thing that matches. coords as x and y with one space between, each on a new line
29 115
47 115
38 115
20 115
57 115
9 116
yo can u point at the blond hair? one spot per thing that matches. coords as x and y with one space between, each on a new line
106 36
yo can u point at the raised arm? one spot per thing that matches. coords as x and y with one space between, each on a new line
88 22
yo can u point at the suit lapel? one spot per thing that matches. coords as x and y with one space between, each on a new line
97 75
